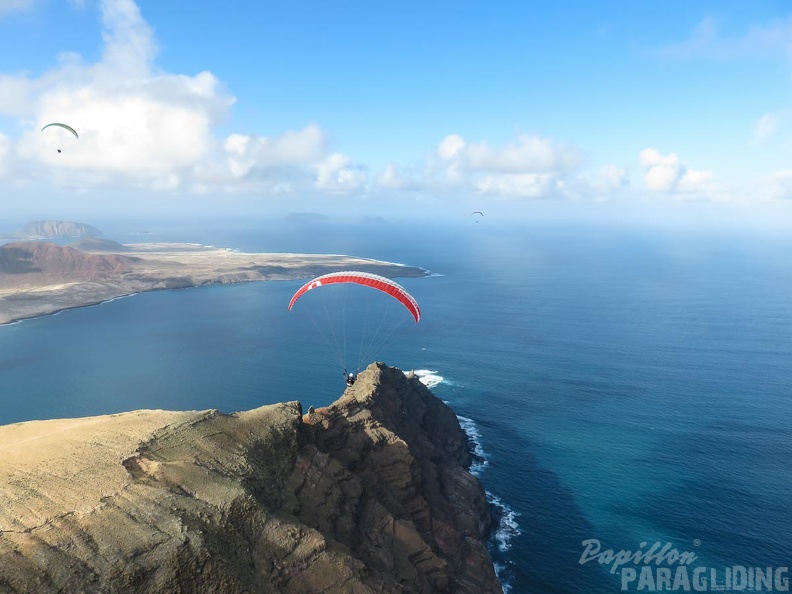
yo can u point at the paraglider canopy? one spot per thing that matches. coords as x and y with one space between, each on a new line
367 279
64 126
477 212
355 318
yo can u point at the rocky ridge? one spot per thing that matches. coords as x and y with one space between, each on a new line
370 494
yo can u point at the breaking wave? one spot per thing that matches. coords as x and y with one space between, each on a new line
429 378
477 452
504 518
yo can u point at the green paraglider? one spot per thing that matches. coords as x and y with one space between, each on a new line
69 128
65 127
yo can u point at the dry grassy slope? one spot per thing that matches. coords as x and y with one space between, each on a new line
367 495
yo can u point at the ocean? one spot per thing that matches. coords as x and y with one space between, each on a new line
625 390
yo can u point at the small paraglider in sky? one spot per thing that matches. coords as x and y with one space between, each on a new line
477 212
64 126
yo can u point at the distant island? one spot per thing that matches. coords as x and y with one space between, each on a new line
39 278
49 229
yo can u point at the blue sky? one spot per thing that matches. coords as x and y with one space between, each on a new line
662 110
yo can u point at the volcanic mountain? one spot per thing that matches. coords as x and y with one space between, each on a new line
49 258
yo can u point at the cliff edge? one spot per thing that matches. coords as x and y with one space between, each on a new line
370 494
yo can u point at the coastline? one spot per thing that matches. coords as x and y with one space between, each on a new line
52 282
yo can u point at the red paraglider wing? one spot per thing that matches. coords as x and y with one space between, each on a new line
363 278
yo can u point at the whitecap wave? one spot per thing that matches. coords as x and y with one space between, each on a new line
506 522
504 518
429 378
499 569
477 452
505 526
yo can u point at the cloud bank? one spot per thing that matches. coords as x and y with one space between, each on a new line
156 132
143 128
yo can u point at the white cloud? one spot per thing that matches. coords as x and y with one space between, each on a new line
530 154
518 185
336 174
135 125
662 173
601 185
245 153
392 178
129 41
530 167
128 131
450 147
670 175
140 127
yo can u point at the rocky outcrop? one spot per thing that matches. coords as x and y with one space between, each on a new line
41 229
369 494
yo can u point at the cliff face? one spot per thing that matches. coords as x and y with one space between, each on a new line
408 504
367 495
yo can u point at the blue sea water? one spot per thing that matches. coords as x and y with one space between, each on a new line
618 385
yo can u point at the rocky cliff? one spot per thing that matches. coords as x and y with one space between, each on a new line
370 494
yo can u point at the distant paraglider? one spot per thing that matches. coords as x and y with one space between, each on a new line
477 212
64 126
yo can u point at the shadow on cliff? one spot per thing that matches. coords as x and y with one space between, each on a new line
406 503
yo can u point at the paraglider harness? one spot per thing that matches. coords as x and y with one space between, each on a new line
350 378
